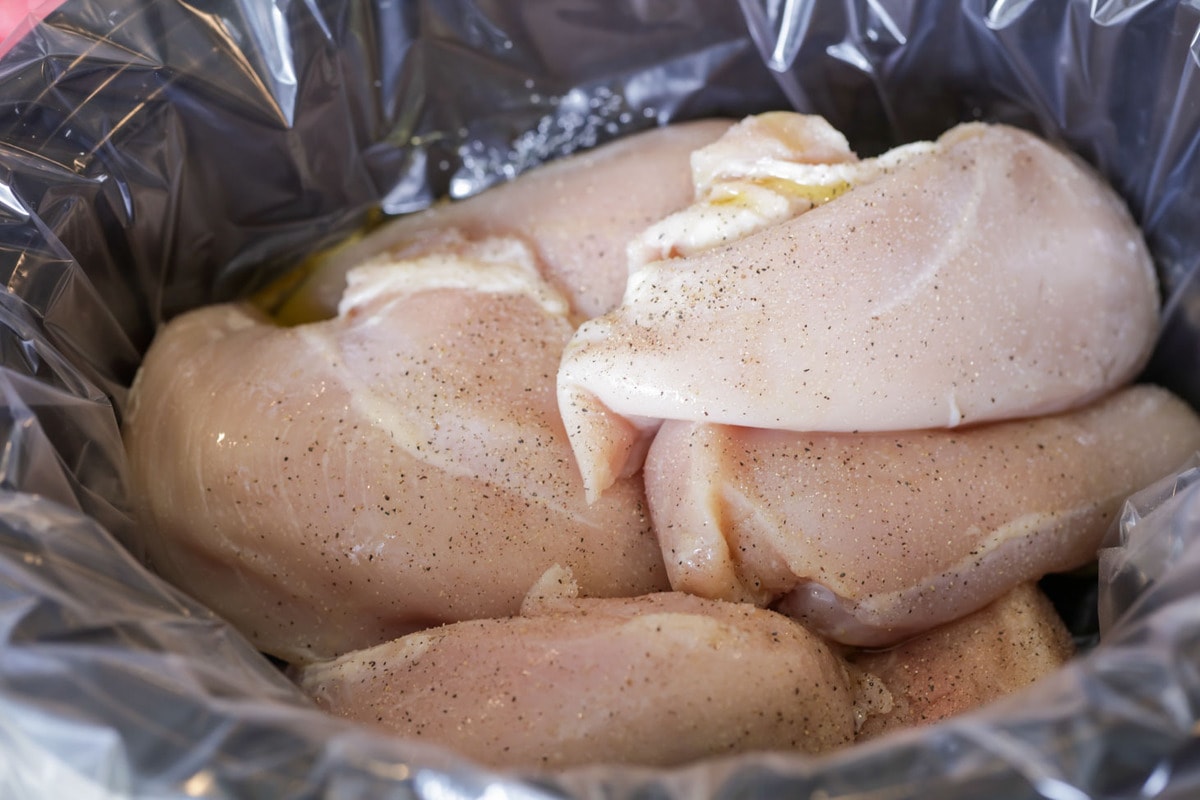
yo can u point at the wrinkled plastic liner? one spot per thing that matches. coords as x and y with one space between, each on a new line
156 156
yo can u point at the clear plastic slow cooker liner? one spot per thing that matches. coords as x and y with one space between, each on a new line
155 156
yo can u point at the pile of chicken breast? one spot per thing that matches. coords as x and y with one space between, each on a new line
717 438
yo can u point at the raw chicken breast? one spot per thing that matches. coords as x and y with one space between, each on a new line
656 680
575 214
334 485
992 653
870 538
986 276
738 188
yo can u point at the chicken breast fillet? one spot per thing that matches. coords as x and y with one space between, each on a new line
870 538
656 680
1004 647
330 486
576 215
985 276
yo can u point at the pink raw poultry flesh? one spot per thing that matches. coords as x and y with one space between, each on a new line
655 680
989 654
403 462
986 276
872 537
669 678
333 485
576 215
336 484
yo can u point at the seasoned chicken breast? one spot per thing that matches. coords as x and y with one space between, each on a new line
1001 649
870 538
985 276
333 485
656 680
576 215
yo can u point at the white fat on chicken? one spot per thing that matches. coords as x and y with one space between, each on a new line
333 485
763 171
870 538
984 276
658 680
575 214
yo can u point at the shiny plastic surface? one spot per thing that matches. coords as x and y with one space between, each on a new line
159 155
